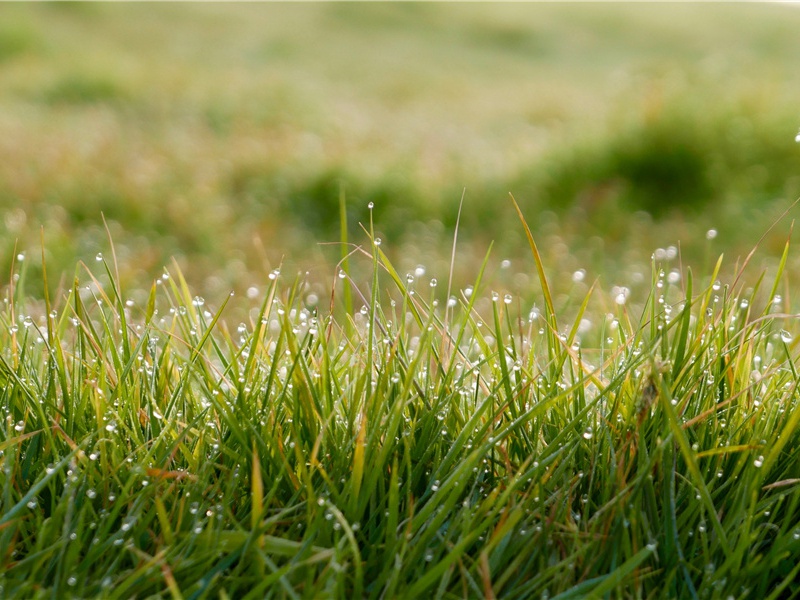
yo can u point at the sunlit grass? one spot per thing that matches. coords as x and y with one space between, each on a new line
421 445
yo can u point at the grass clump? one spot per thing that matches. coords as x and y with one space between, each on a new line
426 444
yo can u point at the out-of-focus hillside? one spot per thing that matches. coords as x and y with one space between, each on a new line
224 134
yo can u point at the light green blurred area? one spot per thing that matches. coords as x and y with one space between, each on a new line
222 134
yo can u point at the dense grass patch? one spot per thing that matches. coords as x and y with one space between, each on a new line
215 131
431 442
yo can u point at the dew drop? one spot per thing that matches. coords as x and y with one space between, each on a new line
786 336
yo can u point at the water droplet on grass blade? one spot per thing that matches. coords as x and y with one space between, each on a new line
99 257
786 336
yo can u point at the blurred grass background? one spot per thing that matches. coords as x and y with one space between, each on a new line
222 134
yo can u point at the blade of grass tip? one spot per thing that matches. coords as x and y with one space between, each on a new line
48 308
340 273
761 239
552 333
150 310
567 344
446 337
683 331
266 305
779 274
710 291
345 263
114 282
185 293
114 279
462 331
111 245
13 312
195 353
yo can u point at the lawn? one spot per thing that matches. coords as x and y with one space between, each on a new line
273 325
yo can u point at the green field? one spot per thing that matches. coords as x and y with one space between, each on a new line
250 347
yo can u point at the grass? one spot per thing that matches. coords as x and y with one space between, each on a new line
612 414
222 134
631 446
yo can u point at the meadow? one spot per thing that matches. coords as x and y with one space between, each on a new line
399 300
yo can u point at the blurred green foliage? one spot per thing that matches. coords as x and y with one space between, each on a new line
225 134
676 162
79 88
17 39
